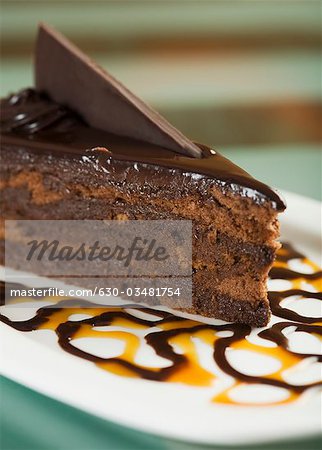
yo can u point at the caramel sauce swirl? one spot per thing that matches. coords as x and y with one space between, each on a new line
173 338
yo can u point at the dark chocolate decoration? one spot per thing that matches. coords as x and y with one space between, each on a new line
70 78
32 121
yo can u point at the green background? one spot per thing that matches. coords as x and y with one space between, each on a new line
244 77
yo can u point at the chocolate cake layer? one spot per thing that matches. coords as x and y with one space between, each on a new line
56 167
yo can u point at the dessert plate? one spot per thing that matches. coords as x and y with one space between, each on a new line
148 370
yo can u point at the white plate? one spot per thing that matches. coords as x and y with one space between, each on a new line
168 409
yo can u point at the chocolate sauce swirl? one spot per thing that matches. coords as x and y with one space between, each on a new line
164 329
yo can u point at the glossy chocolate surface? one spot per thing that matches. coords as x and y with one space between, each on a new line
32 121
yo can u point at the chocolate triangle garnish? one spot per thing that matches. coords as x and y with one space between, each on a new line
69 77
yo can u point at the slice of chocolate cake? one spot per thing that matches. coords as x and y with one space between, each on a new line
80 146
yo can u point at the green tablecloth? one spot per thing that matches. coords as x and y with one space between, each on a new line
30 421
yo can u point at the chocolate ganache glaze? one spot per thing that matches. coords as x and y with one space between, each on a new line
32 121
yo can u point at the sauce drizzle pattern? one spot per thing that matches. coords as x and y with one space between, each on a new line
173 337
